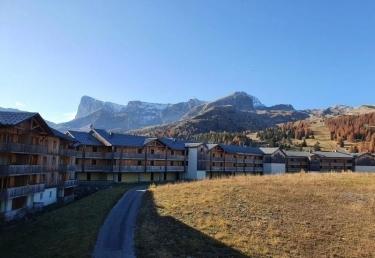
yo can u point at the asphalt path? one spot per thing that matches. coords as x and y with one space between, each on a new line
116 236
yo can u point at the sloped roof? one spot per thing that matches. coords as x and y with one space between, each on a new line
126 140
327 154
240 149
14 118
61 135
297 154
172 143
84 138
268 150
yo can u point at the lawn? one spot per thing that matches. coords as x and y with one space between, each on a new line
69 231
300 215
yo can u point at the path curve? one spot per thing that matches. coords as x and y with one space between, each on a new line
116 236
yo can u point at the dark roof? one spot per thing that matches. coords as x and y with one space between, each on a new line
61 135
173 144
117 139
240 149
297 154
84 138
14 118
333 154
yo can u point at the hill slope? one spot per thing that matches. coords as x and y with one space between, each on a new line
301 215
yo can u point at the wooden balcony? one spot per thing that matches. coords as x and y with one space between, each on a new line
12 170
21 191
94 168
156 156
217 169
98 155
138 156
67 168
155 169
67 152
217 159
124 169
176 157
23 148
175 168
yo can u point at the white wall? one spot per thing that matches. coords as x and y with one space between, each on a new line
273 168
47 197
192 169
364 168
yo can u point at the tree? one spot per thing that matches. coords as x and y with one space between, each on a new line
316 146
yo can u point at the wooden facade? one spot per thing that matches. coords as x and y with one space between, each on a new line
115 161
33 159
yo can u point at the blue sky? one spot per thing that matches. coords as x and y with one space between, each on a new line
312 53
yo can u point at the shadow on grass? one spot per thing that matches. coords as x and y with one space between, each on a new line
164 236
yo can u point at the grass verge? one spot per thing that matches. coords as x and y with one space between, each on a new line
69 231
300 215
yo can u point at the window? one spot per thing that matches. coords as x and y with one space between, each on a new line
41 196
93 162
94 149
152 162
172 152
139 163
50 194
139 151
152 151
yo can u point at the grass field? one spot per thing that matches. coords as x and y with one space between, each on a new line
300 215
69 231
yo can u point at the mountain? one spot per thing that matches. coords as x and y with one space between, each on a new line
236 112
134 115
89 105
233 113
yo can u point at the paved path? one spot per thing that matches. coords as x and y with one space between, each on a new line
116 236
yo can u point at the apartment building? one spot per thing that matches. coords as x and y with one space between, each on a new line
331 161
364 162
106 157
36 164
274 161
227 160
297 161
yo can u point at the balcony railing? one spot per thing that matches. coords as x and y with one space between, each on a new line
119 155
94 168
217 159
176 168
21 169
23 148
217 168
67 152
125 169
67 168
155 168
156 156
176 157
21 190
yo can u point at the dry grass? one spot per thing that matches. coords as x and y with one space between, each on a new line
300 215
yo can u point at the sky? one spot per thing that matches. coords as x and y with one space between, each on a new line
310 54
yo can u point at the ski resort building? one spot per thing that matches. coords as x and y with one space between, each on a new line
36 164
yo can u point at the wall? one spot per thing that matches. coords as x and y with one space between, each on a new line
192 163
273 168
47 197
364 168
